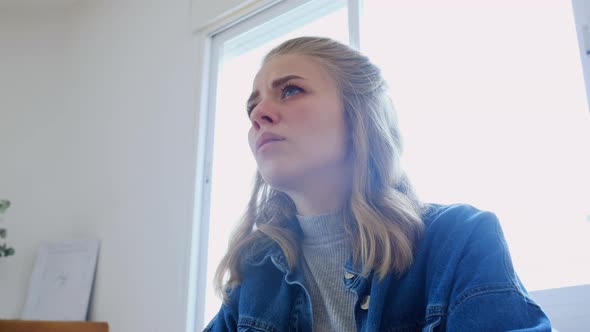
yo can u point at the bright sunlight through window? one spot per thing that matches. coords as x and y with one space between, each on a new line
492 107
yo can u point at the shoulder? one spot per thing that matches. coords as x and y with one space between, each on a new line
460 221
461 233
468 244
458 213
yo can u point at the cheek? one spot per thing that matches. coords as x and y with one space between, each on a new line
329 133
251 139
336 142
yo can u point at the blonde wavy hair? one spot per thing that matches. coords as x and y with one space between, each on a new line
383 215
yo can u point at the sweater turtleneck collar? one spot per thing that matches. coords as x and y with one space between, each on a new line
322 229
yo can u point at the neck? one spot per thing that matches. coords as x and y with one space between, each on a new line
322 193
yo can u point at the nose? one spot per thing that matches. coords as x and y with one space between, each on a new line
264 114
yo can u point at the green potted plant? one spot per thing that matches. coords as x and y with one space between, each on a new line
5 250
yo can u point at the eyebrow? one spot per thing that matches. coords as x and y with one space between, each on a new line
277 82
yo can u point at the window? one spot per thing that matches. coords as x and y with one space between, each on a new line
491 104
493 112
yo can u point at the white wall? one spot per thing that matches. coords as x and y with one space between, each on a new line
37 165
134 94
98 109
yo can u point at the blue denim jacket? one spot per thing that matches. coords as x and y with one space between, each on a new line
462 279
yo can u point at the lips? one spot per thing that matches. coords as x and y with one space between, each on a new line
267 138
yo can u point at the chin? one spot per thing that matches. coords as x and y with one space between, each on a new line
277 180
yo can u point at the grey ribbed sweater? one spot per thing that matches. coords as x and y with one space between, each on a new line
324 253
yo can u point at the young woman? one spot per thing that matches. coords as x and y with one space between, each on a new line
334 238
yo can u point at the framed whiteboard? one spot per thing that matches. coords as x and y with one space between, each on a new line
61 282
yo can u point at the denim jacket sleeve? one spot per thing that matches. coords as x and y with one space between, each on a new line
487 294
220 323
226 318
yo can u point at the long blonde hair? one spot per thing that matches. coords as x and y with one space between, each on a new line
383 216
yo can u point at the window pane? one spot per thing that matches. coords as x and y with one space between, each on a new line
233 165
491 104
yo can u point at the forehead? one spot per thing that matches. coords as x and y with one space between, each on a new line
277 66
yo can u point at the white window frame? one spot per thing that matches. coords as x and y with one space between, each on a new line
231 25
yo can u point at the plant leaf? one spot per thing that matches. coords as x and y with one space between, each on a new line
4 204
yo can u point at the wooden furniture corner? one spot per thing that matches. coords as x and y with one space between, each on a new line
52 326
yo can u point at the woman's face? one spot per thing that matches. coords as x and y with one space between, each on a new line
298 134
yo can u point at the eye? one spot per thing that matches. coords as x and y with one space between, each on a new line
290 90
